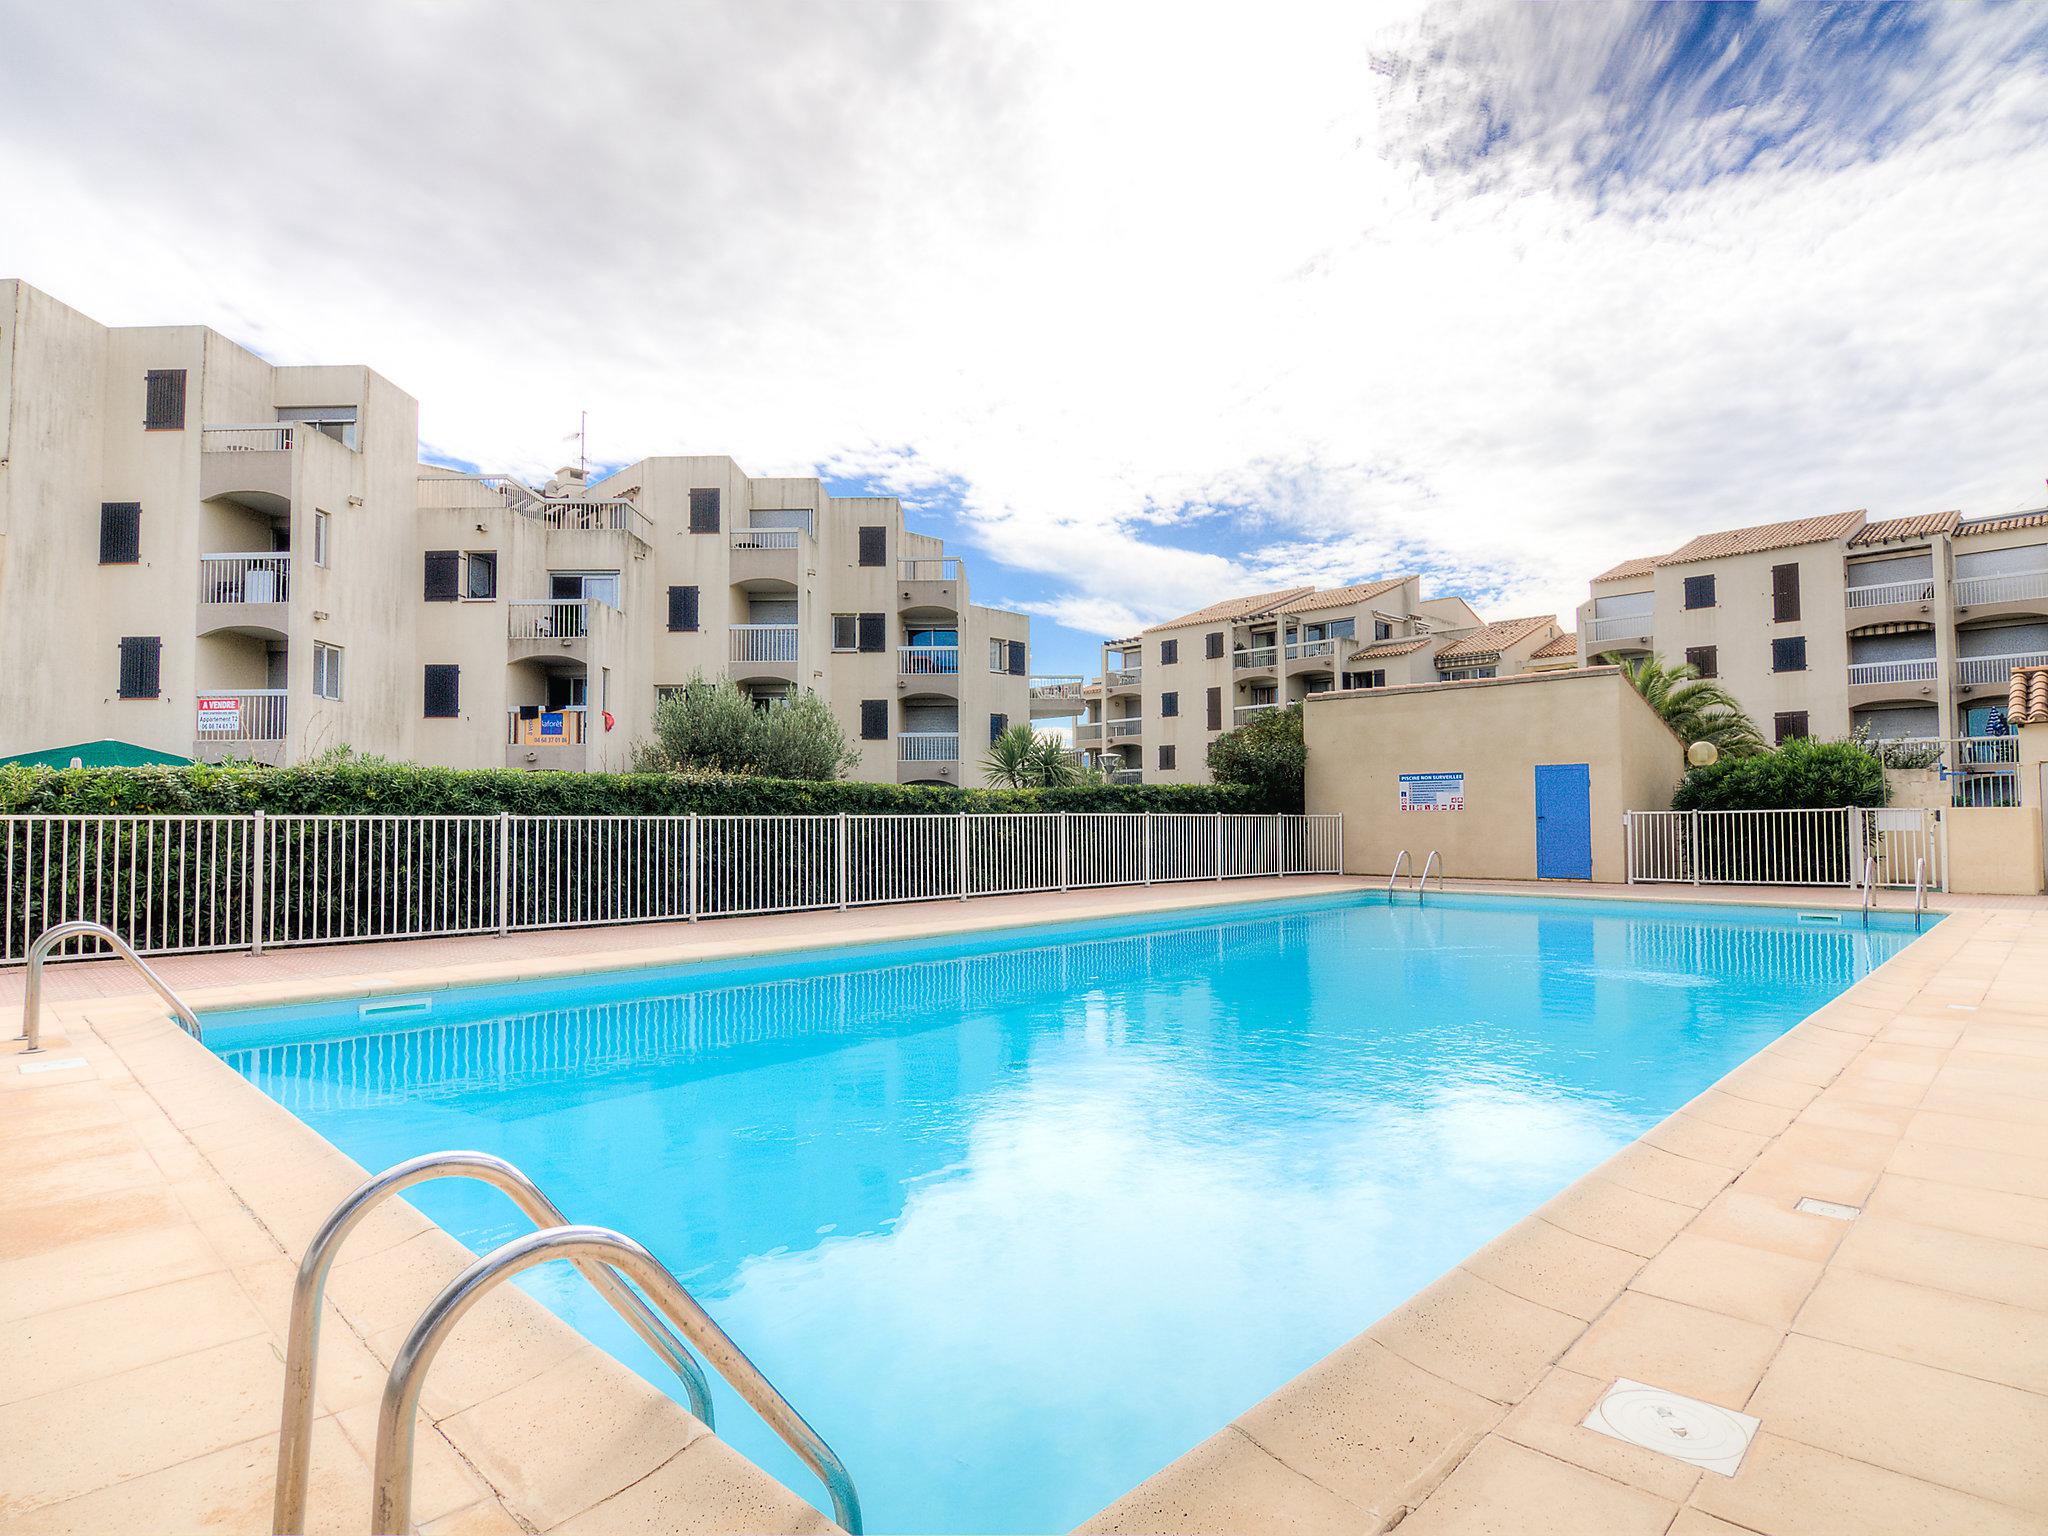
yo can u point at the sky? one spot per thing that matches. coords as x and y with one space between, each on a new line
1137 306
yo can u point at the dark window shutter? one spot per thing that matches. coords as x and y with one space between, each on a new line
997 724
1169 705
1018 658
1699 591
1789 655
1169 652
163 407
444 691
682 608
1704 659
1784 594
1790 725
1215 709
444 575
872 635
1166 756
704 509
874 719
874 546
1212 645
120 532
141 666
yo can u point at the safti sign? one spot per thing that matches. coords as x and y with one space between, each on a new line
220 717
1432 791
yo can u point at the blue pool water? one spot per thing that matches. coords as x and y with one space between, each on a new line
1016 1218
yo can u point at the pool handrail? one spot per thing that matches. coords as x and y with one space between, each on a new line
1869 884
1919 890
32 991
302 1337
1399 859
1422 880
391 1500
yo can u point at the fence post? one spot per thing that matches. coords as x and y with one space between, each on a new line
690 855
1849 842
504 873
1340 843
1065 875
963 855
1693 818
1218 815
1147 824
1279 843
1628 844
258 908
839 861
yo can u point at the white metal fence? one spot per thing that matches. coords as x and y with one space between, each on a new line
177 884
1821 847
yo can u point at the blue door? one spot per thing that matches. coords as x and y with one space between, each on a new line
1564 821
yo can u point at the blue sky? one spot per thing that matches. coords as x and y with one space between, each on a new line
1133 315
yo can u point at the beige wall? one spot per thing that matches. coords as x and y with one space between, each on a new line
1495 732
1995 852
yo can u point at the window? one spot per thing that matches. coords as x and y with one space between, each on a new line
1789 655
1020 661
1214 702
874 546
1376 678
874 719
1169 652
444 691
1166 757
1699 591
1212 645
997 724
326 670
444 575
845 631
682 609
704 510
1789 725
480 583
874 631
999 655
1704 659
1382 630
1169 705
323 534
1784 594
141 666
120 532
163 407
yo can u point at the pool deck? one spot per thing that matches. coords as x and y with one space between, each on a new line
1898 1362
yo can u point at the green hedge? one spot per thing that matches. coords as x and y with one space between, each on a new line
405 789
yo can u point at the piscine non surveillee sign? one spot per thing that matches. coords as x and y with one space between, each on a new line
1432 791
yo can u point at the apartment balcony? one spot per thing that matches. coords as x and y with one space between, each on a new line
490 494
930 587
942 661
1127 776
762 651
248 724
1122 679
1054 697
1619 632
1312 655
2018 592
545 738
1890 602
1974 672
1260 659
564 629
1088 734
251 465
767 556
1244 714
928 756
1123 730
1912 677
245 594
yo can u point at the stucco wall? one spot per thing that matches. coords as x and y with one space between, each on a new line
1495 732
1994 852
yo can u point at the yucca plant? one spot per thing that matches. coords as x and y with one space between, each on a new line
1020 758
1696 708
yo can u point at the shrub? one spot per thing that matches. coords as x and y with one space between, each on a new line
1265 756
714 727
1803 774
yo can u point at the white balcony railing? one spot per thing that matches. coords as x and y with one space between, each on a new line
1123 677
256 578
1997 669
2012 587
1119 730
547 728
946 569
1088 732
1620 626
764 642
928 660
547 618
268 437
1884 593
1127 776
1919 669
765 538
928 746
1046 689
1985 751
253 714
1245 712
1309 650
1261 658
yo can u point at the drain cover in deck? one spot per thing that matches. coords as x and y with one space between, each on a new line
1700 1434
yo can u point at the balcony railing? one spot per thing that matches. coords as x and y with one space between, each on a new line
1127 776
764 642
1088 732
255 578
1919 669
547 728
1123 677
765 538
1117 730
1885 593
1620 626
1262 658
255 714
1308 650
928 660
267 437
2011 587
1048 689
1245 712
497 493
928 746
946 569
1997 669
547 618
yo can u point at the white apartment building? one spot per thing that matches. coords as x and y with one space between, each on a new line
206 555
1167 693
1908 627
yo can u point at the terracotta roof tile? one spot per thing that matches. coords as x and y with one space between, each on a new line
2026 697
1492 640
1237 607
1338 597
1563 645
1381 649
1628 569
1905 528
2035 519
1765 536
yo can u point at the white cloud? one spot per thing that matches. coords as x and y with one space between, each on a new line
1101 270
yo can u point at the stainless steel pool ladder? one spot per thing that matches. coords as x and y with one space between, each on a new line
32 992
1399 859
1869 884
1422 880
601 1256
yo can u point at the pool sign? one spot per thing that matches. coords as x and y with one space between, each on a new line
220 717
1432 791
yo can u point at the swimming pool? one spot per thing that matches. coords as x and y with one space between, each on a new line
1014 1218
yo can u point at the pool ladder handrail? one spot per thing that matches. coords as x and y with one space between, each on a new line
1869 884
1399 859
32 991
1919 890
391 1500
1422 880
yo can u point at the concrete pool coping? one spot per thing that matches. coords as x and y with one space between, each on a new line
153 1183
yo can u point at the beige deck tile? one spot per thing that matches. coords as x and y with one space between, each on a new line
1764 1086
111 1172
1985 1104
1227 1485
1972 1167
485 1518
109 1265
1724 1109
707 1489
1983 1212
28 1230
1477 1335
1607 1213
1771 1223
1974 1436
1933 1127
442 1482
1685 1349
1736 1279
1965 1334
75 1345
1665 1176
1962 1262
1543 1263
1790 1489
1861 1150
1370 1426
1788 1176
502 1344
1503 1489
1841 1112
1551 1420
1690 1136
1691 1522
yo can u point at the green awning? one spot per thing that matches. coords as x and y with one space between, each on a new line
97 754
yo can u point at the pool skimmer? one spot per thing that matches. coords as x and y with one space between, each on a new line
1829 1208
1700 1434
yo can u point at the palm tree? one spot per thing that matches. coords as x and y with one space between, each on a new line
1020 758
1696 708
